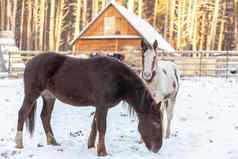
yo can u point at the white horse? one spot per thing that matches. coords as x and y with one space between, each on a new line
162 78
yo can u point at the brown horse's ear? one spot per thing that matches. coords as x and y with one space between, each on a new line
143 46
155 45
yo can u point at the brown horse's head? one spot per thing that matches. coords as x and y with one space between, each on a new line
150 128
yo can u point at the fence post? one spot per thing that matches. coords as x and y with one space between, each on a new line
227 64
9 63
200 64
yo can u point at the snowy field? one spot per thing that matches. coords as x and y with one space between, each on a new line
205 126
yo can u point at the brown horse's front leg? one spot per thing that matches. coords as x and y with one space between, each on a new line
93 134
101 117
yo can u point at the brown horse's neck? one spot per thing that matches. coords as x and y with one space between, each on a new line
140 100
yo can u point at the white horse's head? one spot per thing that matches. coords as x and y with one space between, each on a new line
148 59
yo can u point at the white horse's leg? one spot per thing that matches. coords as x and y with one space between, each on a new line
170 113
164 118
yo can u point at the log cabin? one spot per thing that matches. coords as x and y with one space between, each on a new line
116 30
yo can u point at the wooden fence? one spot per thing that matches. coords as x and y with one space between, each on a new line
204 63
190 63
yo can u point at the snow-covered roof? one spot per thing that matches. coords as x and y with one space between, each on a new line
141 26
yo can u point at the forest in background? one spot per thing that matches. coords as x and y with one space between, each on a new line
186 24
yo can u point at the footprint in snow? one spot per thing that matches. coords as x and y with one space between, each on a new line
76 134
6 100
210 117
40 145
236 128
60 150
231 106
6 154
183 119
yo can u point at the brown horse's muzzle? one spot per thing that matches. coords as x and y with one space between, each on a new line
155 148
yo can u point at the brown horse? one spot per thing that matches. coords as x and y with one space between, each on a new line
100 81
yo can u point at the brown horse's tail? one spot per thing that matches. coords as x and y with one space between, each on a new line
30 124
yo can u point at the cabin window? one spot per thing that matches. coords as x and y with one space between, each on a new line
109 25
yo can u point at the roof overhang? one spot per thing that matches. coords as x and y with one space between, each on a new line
111 37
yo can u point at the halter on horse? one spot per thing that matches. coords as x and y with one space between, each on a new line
149 61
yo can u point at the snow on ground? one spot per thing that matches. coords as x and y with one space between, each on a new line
205 126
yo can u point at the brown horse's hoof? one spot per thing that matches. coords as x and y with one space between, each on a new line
91 146
53 142
102 154
19 146
101 150
56 144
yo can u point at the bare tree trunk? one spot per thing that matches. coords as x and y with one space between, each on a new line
47 25
179 27
89 5
155 13
77 19
29 29
202 32
95 8
130 5
166 19
84 8
41 24
67 23
194 43
221 34
136 7
51 25
22 26
18 22
7 8
35 35
59 24
13 16
236 24
212 33
193 24
140 8
171 19
229 25
2 14
1 18
148 12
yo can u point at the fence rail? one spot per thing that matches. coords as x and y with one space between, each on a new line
190 63
204 63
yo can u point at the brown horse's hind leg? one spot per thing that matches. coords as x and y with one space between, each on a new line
48 105
93 133
28 105
101 116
